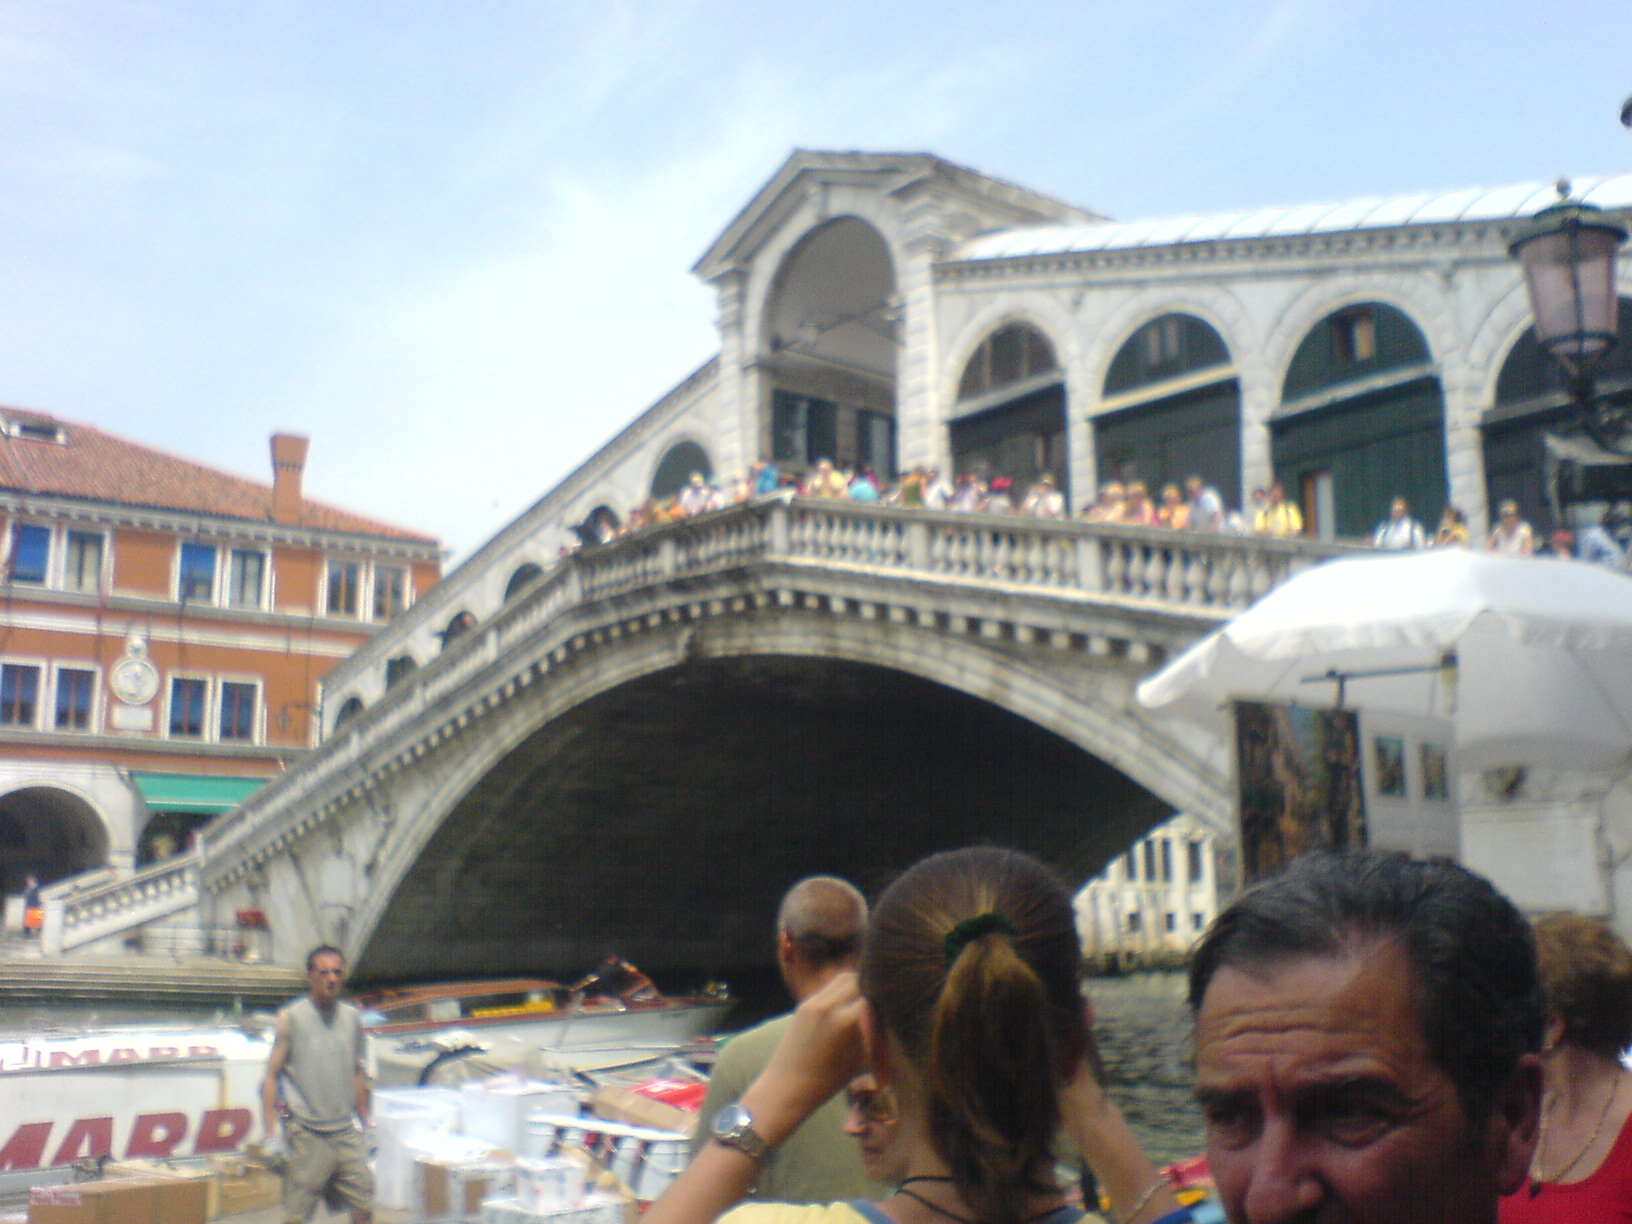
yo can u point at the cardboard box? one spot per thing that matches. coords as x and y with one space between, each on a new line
547 1182
497 1109
622 1105
595 1209
126 1200
165 1169
251 1190
456 1189
406 1121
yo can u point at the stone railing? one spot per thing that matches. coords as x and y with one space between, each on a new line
1076 561
81 913
1150 564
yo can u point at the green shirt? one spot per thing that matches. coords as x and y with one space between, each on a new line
818 1163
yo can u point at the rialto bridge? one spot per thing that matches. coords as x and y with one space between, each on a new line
644 744
640 745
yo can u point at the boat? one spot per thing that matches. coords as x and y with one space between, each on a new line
127 1093
172 1091
542 1013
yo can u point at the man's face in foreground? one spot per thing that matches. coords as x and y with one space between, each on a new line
1321 1102
325 977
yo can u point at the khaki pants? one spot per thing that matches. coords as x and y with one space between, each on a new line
332 1165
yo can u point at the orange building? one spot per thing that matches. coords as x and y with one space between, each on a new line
163 631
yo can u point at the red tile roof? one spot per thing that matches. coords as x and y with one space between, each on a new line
98 466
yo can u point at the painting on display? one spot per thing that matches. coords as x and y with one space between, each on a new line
1298 775
1436 782
1390 751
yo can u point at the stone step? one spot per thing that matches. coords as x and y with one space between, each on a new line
33 978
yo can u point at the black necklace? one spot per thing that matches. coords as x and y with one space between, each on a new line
952 1215
940 1211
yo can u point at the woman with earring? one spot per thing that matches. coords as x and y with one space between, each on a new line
1582 1168
968 1008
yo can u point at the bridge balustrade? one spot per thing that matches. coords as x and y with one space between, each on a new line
1195 569
76 915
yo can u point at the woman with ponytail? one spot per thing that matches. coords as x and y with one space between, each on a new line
968 1008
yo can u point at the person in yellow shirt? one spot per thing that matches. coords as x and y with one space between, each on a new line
1277 516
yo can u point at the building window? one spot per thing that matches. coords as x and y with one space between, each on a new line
462 623
1167 861
1150 862
1133 920
342 596
1354 336
399 668
1163 341
1197 921
875 441
1195 849
19 694
390 591
1172 921
187 707
75 685
82 562
804 429
1010 354
30 552
1132 867
196 579
246 578
237 710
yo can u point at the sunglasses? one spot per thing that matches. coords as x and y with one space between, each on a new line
875 1104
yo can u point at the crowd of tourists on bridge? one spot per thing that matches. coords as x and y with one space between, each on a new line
1197 506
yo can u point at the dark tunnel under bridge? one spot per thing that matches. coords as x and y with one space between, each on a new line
664 818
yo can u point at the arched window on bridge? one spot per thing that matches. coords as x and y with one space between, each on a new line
1361 422
1171 409
352 707
1528 432
524 577
829 343
600 526
676 467
462 623
1010 414
399 668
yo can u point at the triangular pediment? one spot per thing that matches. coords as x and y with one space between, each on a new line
970 201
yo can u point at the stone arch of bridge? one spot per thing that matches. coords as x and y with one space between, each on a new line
1086 704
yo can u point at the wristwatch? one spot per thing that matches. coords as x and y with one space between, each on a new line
734 1127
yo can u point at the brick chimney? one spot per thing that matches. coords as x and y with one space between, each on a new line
288 464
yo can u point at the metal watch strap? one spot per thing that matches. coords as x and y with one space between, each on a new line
740 1134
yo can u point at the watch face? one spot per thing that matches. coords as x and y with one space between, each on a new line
732 1118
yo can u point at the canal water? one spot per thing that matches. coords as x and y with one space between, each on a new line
1141 1023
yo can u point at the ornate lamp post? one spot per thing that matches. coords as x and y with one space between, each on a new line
1568 256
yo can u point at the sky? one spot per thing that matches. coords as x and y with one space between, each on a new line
451 241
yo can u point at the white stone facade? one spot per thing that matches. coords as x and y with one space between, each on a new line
1151 904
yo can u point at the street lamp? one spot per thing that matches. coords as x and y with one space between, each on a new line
1568 256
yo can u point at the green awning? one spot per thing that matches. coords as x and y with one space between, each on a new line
172 792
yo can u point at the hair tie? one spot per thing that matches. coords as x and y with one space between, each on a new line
970 929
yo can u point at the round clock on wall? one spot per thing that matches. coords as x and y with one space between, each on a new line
134 681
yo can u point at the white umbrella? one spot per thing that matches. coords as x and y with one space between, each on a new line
1542 652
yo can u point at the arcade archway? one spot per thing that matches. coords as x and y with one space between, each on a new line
49 833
